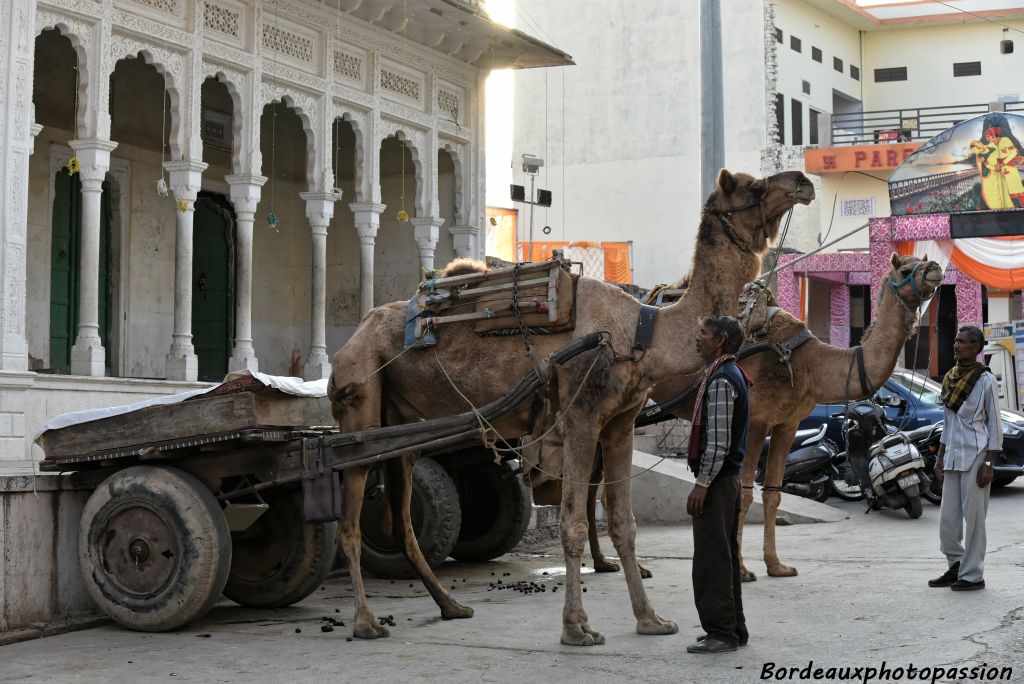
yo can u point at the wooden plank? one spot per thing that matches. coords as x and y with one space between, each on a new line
552 295
228 412
277 409
493 275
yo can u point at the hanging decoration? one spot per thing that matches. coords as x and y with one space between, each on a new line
162 188
994 262
403 215
74 166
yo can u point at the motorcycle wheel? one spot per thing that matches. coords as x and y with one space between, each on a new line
820 492
845 491
914 508
933 492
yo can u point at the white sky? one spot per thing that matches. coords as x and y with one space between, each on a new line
499 101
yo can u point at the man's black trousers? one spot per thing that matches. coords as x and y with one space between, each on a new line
716 561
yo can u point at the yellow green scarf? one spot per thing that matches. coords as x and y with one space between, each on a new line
959 381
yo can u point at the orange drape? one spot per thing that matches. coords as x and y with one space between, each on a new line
1003 278
905 248
539 251
616 262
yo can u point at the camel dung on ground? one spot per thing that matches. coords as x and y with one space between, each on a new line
599 393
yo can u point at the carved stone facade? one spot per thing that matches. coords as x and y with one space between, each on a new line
299 52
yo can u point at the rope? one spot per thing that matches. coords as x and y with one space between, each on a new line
491 443
385 365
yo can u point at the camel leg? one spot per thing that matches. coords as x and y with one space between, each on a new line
364 626
399 488
601 563
755 442
617 447
578 457
778 451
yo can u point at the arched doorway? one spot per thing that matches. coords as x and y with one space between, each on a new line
213 256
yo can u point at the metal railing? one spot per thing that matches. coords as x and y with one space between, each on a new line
901 125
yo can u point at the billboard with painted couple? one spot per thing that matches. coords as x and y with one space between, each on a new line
974 166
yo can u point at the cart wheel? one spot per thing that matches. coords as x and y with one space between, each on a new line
281 559
496 510
435 519
154 548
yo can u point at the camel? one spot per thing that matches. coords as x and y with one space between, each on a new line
599 393
819 375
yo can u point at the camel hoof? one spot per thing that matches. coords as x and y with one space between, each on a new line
656 625
747 575
644 572
456 611
370 631
581 635
781 570
605 565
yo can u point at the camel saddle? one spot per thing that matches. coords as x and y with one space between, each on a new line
528 298
757 309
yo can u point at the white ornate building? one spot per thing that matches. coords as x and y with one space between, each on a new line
196 186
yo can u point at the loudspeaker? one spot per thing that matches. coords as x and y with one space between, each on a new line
544 198
518 193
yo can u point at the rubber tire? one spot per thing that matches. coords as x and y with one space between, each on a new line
436 520
914 508
930 494
1000 481
822 493
841 493
496 510
281 559
193 523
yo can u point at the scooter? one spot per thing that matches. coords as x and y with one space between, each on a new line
889 467
926 439
810 466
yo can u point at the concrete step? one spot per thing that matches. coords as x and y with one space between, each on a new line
659 496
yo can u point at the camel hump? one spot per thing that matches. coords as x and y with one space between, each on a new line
463 266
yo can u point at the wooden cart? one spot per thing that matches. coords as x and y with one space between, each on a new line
203 497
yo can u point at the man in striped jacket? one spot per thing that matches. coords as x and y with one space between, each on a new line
717 445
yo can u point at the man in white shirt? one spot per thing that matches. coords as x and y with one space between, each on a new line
971 440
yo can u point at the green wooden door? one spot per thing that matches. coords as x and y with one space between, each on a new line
64 270
212 291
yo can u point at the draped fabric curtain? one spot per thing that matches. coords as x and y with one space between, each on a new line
995 262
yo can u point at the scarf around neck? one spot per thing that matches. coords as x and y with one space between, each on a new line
693 454
959 381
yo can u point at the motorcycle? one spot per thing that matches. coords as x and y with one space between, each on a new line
889 467
811 465
926 439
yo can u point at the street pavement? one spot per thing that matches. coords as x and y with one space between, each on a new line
860 601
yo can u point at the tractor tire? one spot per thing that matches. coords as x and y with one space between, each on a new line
154 548
281 559
435 519
496 509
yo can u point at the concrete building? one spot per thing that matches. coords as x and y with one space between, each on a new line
197 186
841 89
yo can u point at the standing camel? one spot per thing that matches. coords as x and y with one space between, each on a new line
819 375
373 383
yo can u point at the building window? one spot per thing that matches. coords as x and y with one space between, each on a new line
798 122
966 69
854 73
794 43
815 54
890 74
780 119
837 64
807 87
778 35
812 126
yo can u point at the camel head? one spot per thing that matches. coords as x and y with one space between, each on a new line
749 209
914 280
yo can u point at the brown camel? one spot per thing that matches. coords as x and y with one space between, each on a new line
373 383
819 376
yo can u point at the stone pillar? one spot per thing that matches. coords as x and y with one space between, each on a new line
186 179
426 231
367 217
787 288
839 317
319 210
245 196
87 354
881 246
464 240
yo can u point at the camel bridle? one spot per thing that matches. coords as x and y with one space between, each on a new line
759 202
912 280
